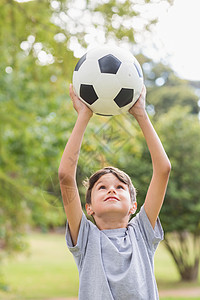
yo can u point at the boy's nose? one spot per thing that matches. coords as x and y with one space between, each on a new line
111 190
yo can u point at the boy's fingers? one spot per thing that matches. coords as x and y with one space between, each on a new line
70 89
71 92
143 93
144 90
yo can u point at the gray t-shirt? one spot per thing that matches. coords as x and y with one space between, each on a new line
117 264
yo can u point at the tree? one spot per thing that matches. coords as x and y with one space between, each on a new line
173 103
22 148
166 89
180 132
175 113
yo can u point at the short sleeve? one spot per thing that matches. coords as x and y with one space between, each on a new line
79 249
152 236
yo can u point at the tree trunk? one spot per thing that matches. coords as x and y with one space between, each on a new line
191 273
184 248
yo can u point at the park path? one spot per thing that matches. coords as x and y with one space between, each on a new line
184 292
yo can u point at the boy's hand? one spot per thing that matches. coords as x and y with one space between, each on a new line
78 105
138 109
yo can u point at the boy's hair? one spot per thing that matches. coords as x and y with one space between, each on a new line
122 176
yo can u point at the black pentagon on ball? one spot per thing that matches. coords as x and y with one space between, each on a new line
88 93
80 62
124 97
109 64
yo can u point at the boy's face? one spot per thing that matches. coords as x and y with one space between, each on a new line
110 198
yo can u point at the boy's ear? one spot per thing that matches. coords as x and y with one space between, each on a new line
133 208
89 210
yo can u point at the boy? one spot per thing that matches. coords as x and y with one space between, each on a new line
114 257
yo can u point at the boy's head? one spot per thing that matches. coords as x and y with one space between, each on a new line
122 176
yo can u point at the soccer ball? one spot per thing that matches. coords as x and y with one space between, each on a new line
108 79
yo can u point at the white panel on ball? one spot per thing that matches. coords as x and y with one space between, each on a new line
106 86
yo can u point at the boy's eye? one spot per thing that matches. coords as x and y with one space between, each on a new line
102 187
120 187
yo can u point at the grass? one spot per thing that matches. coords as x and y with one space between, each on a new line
48 270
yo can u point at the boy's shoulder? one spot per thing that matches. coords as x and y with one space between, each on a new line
144 230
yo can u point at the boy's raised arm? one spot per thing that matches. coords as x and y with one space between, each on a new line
68 166
160 162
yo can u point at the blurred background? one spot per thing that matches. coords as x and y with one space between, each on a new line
40 43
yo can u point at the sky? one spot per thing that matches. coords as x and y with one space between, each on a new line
176 38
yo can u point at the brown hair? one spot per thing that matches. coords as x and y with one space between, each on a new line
122 176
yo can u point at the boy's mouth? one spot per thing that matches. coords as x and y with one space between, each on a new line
111 198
